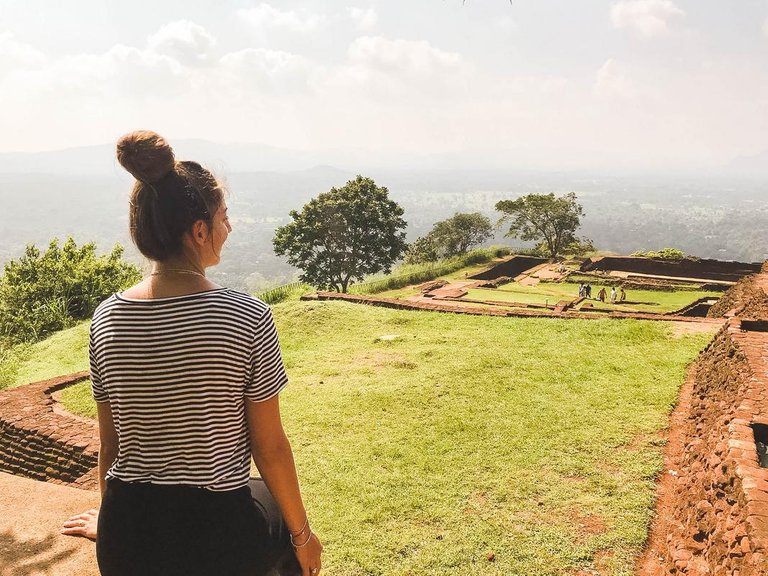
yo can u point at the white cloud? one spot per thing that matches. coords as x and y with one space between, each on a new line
365 18
613 81
765 26
266 70
383 69
507 25
646 17
185 41
402 56
266 16
15 55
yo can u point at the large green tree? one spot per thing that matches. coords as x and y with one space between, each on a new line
543 217
451 237
43 292
344 235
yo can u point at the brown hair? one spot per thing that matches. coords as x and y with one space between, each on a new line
168 197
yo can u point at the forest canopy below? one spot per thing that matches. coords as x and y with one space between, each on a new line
706 217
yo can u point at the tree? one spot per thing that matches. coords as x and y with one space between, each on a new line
451 237
543 217
43 292
344 235
663 254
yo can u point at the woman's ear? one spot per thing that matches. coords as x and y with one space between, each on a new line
199 232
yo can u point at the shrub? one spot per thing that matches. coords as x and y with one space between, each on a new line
281 293
663 254
43 292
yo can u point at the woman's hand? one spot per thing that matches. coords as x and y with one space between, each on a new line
308 556
82 524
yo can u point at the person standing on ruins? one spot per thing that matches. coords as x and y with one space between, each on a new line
623 295
186 376
601 295
613 295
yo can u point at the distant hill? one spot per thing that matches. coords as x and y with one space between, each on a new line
749 166
100 160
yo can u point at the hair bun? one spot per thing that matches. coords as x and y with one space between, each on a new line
146 155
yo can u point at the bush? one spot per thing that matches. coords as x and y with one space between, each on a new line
663 254
281 293
43 292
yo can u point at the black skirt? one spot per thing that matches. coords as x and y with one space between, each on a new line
148 529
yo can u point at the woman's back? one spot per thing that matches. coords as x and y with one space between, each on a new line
175 371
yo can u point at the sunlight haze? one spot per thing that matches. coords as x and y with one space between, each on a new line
548 84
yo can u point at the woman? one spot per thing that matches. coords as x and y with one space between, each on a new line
186 376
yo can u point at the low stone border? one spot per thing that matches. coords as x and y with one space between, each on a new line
714 515
39 442
434 306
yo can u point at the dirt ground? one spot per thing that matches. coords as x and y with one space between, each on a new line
648 563
31 514
680 329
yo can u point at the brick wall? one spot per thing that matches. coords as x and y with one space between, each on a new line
40 442
746 299
702 268
718 524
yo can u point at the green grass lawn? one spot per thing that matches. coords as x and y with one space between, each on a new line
654 300
62 353
532 439
553 292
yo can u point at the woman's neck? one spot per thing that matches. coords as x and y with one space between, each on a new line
171 278
178 266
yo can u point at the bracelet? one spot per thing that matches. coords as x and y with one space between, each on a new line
300 532
297 546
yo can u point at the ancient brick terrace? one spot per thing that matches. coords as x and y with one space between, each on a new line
712 512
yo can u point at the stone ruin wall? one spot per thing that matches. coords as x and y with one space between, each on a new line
701 268
719 520
718 524
745 299
40 442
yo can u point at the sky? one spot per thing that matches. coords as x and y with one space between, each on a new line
553 84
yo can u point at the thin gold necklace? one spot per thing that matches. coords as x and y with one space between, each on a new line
177 271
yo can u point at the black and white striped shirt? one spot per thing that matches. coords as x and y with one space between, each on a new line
175 372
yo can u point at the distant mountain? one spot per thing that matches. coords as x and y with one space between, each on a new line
749 166
100 160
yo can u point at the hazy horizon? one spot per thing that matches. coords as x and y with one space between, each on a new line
598 85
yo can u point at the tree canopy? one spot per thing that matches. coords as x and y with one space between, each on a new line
543 217
343 235
43 292
451 237
663 254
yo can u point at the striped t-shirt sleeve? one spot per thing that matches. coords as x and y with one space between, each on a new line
267 374
97 388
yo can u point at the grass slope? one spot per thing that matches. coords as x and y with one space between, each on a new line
531 439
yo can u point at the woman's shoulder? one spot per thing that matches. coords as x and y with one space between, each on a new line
105 305
246 301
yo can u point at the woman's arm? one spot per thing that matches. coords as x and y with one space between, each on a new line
108 442
85 524
274 458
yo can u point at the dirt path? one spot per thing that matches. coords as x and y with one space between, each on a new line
31 514
648 564
706 326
